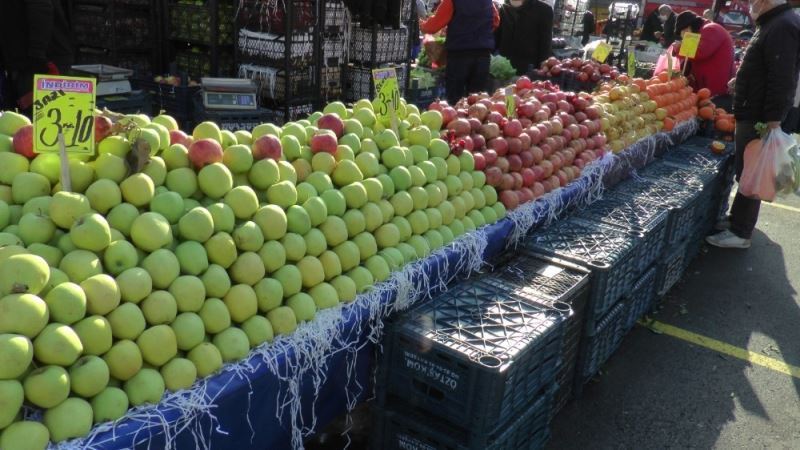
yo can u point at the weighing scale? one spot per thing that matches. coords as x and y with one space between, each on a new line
111 80
229 93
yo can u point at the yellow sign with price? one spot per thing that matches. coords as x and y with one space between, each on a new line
690 43
387 91
63 106
601 52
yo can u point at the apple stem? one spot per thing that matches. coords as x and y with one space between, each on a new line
19 288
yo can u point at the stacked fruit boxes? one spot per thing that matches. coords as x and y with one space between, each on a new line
335 39
474 368
201 37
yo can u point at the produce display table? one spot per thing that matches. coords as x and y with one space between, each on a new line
296 385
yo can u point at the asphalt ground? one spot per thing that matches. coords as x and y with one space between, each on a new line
671 387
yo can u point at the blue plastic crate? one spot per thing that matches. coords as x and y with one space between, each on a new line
647 218
595 350
608 252
551 280
403 427
682 200
671 268
473 355
670 171
693 247
642 297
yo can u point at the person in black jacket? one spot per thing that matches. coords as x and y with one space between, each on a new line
525 34
36 39
588 26
764 90
653 27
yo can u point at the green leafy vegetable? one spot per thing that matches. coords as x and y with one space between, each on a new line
500 68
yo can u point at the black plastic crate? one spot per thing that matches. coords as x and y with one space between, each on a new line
197 62
596 349
270 49
134 103
177 101
270 16
681 199
608 252
671 268
549 280
401 427
192 23
234 120
379 45
108 26
680 173
359 83
647 218
272 82
642 297
697 157
693 247
474 355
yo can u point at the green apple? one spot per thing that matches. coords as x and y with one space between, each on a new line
168 204
206 358
95 333
457 227
216 281
36 228
88 376
91 232
163 267
303 306
215 315
247 269
180 373
158 345
243 201
305 191
290 278
269 294
323 162
421 246
120 256
331 265
258 330
192 257
378 267
408 252
114 145
16 355
401 178
66 303
196 225
273 256
160 307
146 386
362 278
283 194
221 249
264 173
102 294
316 243
386 139
57 344
243 137
12 395
189 293
175 156
324 296
156 169
110 404
311 270
138 189
25 435
80 265
355 195
70 419
287 172
345 288
228 139
135 284
207 130
295 246
320 180
264 129
28 185
233 344
282 319
183 181
189 330
24 314
215 180
435 240
124 359
349 255
248 237
272 220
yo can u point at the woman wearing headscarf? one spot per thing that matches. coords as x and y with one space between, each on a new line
712 66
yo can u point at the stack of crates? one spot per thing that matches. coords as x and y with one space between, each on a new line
611 254
551 280
474 368
335 37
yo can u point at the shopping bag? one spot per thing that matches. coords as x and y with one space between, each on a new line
663 62
769 168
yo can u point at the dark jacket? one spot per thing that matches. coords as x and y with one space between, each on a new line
588 27
33 32
652 26
471 27
525 34
669 31
767 78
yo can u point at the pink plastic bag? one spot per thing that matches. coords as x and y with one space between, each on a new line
663 62
768 166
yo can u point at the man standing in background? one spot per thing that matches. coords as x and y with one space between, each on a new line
525 34
470 42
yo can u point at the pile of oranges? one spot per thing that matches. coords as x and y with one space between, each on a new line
723 120
674 96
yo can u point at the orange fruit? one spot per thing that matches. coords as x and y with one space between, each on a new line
704 94
669 124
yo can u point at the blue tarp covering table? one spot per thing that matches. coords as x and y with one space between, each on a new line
288 389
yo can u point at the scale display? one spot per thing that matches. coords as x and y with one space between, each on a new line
229 100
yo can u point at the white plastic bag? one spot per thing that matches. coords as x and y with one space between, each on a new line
769 168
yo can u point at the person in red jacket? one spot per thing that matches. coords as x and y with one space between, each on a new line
712 66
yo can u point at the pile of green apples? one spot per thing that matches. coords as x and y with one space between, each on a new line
174 254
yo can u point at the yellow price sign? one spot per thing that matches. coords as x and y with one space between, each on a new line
689 45
387 91
601 52
63 106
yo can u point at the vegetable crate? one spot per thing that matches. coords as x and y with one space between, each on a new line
232 120
335 17
682 199
198 63
642 297
608 252
379 45
359 84
597 348
671 267
96 24
270 16
270 49
272 81
404 428
331 83
281 115
424 92
192 23
177 101
476 355
647 218
550 280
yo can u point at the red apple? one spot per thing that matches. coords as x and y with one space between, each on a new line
179 137
509 199
502 164
527 158
490 130
205 151
518 181
535 135
494 176
524 82
538 173
474 124
538 190
331 122
491 157
480 161
267 146
499 145
508 182
512 128
460 125
514 145
538 154
102 128
528 177
448 114
479 141
478 111
525 140
562 178
514 163
23 142
324 141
